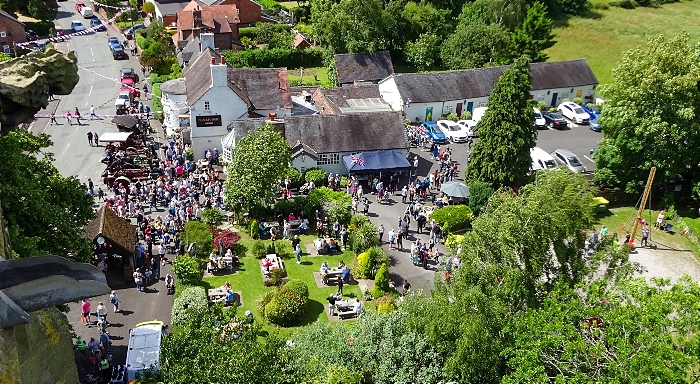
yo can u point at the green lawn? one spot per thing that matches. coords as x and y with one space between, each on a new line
320 72
248 280
289 4
605 35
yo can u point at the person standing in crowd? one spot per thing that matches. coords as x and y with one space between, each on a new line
85 306
89 136
96 138
381 233
406 287
102 312
114 299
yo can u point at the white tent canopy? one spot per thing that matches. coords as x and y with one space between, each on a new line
115 137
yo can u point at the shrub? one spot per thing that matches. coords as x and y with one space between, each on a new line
466 115
277 278
364 238
626 4
199 233
480 192
318 175
294 176
578 100
340 212
253 230
289 304
369 261
542 106
357 220
385 304
340 374
263 300
453 117
381 282
156 78
283 249
453 241
259 249
191 299
276 57
227 237
187 270
453 218
213 217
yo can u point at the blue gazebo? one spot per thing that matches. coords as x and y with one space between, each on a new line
376 161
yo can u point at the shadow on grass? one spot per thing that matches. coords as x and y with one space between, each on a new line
314 310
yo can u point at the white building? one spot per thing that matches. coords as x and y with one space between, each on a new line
430 96
218 94
174 100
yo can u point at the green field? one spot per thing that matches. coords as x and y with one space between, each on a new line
321 74
604 35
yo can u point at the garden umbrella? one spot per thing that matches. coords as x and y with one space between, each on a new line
455 189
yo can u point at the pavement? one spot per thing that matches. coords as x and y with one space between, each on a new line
74 157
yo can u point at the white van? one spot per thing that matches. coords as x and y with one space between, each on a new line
87 12
541 159
478 113
143 352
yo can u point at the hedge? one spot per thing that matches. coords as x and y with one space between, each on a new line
275 58
288 305
191 299
317 175
453 218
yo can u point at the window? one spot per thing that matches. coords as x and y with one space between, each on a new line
333 158
206 105
3 34
6 48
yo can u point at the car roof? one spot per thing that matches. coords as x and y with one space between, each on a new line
430 124
124 93
570 104
76 21
127 80
127 70
565 152
448 122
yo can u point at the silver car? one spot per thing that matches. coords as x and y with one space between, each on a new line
568 159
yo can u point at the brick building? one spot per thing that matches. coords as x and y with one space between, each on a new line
11 32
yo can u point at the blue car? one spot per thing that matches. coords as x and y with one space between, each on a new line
97 25
434 132
594 125
591 110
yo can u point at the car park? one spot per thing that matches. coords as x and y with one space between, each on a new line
554 120
574 112
77 26
591 110
118 53
540 122
594 125
97 25
454 132
433 131
568 159
470 126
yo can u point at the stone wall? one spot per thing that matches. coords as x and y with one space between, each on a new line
38 352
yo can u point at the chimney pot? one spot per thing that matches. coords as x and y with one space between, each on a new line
213 61
223 60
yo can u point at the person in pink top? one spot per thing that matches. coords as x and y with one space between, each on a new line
86 311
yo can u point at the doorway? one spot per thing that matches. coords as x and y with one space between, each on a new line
459 109
554 100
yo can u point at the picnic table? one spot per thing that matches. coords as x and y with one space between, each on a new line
269 224
276 263
331 275
297 223
216 294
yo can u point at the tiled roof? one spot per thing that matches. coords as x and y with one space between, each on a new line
337 133
191 49
266 88
478 82
115 229
171 7
198 75
8 16
174 87
216 18
331 100
372 66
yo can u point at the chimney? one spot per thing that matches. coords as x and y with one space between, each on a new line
196 18
223 60
278 125
207 40
272 116
218 73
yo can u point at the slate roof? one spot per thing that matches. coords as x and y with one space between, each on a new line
171 7
174 87
266 88
198 75
191 49
478 82
319 134
10 17
331 100
113 228
354 67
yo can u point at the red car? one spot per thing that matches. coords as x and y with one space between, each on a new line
79 5
128 85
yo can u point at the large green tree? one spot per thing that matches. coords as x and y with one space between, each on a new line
631 332
502 154
651 116
423 52
534 35
474 44
351 25
42 9
259 160
45 211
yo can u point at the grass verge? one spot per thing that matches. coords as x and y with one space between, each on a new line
320 73
604 35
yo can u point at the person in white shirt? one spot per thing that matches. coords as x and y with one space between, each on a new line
102 312
357 307
92 112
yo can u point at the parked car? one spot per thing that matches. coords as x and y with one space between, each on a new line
97 25
123 100
540 122
568 159
112 41
171 29
434 132
454 132
31 35
574 112
87 12
594 125
554 120
79 6
129 32
478 113
470 126
128 85
127 73
118 53
541 160
591 110
77 26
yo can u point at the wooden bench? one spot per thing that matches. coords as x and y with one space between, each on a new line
347 314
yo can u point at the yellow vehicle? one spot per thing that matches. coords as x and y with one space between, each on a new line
171 29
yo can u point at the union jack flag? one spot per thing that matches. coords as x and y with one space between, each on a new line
358 161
